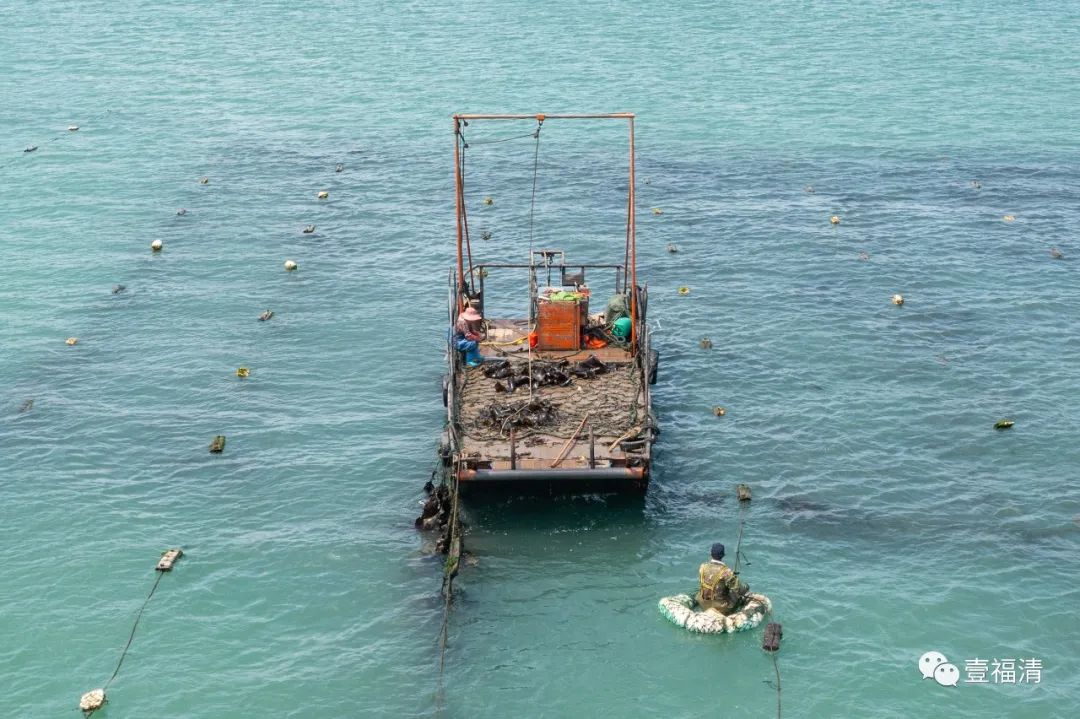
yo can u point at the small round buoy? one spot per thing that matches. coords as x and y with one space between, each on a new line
204 180
30 148
156 245
719 411
72 341
835 219
117 289
976 184
864 256
684 290
672 248
323 194
339 168
309 229
92 700
706 343
489 200
181 211
657 211
266 314
898 299
73 128
290 265
485 235
1056 253
1009 218
809 188
242 372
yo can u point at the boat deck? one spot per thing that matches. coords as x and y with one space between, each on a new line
609 404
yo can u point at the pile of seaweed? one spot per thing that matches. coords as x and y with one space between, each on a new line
542 374
533 412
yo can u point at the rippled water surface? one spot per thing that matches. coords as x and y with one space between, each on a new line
889 518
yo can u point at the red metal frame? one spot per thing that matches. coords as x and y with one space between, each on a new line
631 223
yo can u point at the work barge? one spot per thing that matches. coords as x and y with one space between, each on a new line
559 399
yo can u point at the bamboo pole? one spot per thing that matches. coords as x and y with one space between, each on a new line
569 443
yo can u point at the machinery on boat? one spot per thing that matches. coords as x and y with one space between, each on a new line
559 397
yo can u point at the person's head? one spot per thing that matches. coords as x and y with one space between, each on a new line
717 552
471 315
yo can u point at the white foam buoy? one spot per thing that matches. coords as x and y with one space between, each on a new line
290 265
92 700
835 219
309 229
1009 218
323 194
72 128
156 245
898 299
204 180
72 341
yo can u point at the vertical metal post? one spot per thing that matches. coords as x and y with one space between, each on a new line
592 448
458 202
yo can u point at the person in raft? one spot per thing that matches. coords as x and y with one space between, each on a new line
467 336
721 589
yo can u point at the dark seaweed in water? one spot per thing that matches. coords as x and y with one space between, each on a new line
533 412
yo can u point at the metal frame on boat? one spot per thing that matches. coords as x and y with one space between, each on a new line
562 397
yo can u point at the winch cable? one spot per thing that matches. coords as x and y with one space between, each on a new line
464 211
532 262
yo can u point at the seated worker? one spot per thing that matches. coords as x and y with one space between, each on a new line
721 588
468 331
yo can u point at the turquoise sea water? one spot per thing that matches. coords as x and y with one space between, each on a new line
889 518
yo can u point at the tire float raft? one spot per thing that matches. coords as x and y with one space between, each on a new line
683 611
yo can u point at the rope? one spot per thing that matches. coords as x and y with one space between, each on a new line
776 666
464 211
131 636
53 139
448 594
504 139
532 265
738 543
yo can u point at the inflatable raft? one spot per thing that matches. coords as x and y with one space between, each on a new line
682 610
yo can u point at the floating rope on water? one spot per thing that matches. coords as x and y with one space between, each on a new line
450 570
93 700
32 148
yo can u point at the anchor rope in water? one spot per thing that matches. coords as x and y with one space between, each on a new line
131 636
449 571
775 664
768 616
